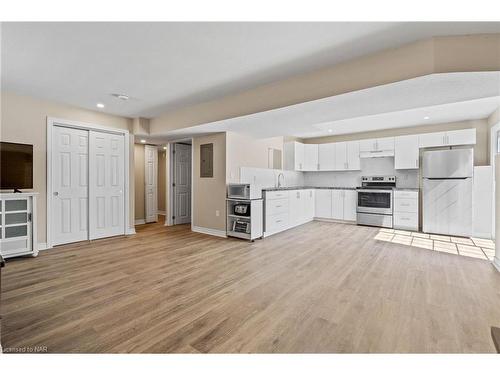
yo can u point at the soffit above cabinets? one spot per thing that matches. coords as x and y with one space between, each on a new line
436 98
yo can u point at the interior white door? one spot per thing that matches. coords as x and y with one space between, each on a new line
106 184
182 183
150 183
69 211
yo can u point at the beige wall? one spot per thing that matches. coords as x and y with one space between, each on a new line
436 55
245 151
480 149
24 119
162 165
139 182
209 194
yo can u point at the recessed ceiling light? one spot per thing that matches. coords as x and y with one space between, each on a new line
100 105
330 130
426 117
121 96
143 141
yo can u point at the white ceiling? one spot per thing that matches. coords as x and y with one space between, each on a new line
163 66
447 97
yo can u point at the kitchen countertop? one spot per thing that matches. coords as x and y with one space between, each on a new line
308 187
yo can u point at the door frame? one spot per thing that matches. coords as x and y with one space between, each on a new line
170 198
51 122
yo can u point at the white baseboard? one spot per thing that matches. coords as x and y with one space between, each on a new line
130 231
42 246
140 221
210 231
496 263
161 212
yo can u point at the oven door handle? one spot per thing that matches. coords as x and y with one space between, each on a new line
374 191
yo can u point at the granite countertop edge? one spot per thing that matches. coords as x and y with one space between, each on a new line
326 187
308 187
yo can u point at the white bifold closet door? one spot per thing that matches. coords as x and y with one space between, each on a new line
106 184
150 183
69 185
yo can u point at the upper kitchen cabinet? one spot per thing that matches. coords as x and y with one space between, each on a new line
293 156
353 162
340 156
450 138
347 156
376 147
310 157
406 152
461 137
432 139
326 157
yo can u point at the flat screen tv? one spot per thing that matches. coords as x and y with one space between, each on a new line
16 166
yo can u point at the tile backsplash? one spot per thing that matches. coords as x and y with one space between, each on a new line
264 177
369 167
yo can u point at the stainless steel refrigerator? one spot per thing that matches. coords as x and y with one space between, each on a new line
447 191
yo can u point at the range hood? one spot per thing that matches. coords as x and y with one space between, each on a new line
376 154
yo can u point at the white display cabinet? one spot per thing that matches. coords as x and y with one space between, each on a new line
18 224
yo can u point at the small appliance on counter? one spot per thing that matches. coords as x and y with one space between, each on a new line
375 201
244 211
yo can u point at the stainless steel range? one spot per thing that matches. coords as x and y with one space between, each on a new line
375 201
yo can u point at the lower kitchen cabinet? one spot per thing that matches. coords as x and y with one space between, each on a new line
350 204
338 204
287 209
406 210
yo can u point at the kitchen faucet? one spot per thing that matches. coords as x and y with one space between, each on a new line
280 175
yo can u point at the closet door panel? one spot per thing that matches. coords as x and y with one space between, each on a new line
69 220
106 184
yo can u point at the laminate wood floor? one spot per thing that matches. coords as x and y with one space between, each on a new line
320 287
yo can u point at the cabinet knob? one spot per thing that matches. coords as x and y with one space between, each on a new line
56 193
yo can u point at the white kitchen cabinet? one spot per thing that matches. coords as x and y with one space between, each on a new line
340 156
450 138
350 204
432 139
296 207
461 137
309 204
385 144
406 152
352 156
326 157
376 144
338 204
323 203
347 156
370 148
298 156
406 209
310 157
